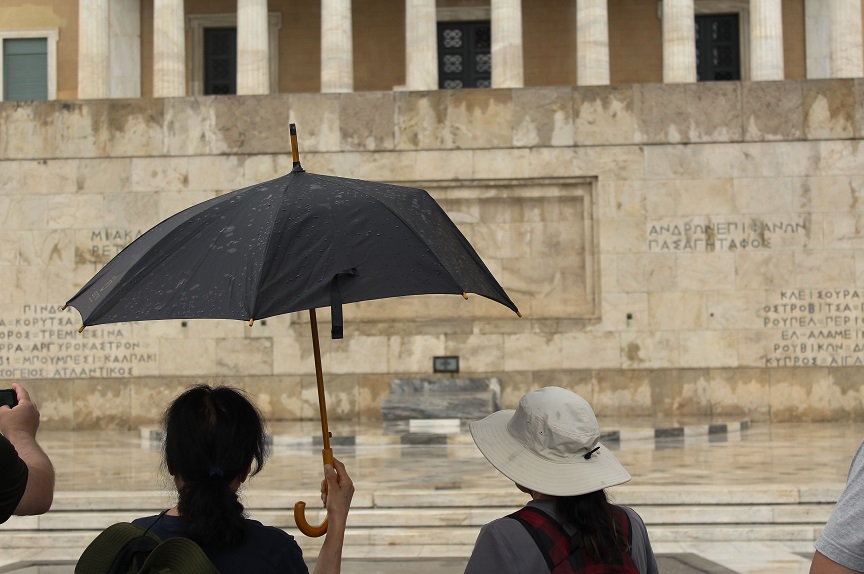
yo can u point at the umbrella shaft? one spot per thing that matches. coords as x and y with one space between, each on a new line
319 377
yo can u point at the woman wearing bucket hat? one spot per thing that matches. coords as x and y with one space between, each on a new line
549 446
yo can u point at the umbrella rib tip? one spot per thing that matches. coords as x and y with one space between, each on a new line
81 329
251 320
465 295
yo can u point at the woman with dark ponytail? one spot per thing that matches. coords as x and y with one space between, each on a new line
549 446
215 440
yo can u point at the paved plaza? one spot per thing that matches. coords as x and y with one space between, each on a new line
715 498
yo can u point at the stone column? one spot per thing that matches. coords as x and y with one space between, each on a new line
169 49
766 40
847 59
679 42
421 45
337 50
94 40
592 43
507 71
817 31
125 17
253 48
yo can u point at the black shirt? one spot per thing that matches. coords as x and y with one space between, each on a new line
264 550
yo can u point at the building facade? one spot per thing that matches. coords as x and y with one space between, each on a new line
677 246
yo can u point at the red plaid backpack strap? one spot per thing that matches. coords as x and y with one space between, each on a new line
549 536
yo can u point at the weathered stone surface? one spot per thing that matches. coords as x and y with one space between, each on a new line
828 109
658 113
651 236
367 121
604 115
714 110
772 110
543 117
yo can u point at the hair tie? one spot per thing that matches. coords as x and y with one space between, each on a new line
216 471
590 452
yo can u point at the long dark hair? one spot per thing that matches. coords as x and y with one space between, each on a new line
212 437
591 514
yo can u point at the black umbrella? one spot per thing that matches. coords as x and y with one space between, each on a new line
297 242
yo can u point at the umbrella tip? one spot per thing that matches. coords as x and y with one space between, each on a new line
518 314
63 308
81 329
251 321
465 295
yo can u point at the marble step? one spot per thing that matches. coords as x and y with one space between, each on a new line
451 536
366 496
444 517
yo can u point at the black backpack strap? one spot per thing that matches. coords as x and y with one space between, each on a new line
551 538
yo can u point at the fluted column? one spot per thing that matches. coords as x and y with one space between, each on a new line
94 60
169 49
679 42
125 33
253 48
507 71
592 43
766 40
421 45
846 47
817 32
337 50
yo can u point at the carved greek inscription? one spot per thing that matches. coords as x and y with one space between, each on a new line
101 245
43 342
707 235
816 327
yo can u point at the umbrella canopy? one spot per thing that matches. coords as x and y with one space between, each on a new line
297 242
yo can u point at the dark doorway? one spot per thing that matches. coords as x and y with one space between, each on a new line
464 55
718 48
220 61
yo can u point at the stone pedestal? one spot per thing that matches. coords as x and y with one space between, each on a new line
467 399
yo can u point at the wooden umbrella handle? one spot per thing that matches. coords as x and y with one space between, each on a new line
300 507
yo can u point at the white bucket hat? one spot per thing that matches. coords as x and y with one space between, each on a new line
550 445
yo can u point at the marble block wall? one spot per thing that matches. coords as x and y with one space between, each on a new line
675 249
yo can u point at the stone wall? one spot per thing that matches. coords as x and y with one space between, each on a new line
675 249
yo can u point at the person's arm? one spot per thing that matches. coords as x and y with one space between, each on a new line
19 426
823 565
337 490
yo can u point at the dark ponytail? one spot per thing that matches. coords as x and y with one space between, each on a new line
591 514
212 437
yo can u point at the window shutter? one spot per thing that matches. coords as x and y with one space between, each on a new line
25 69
